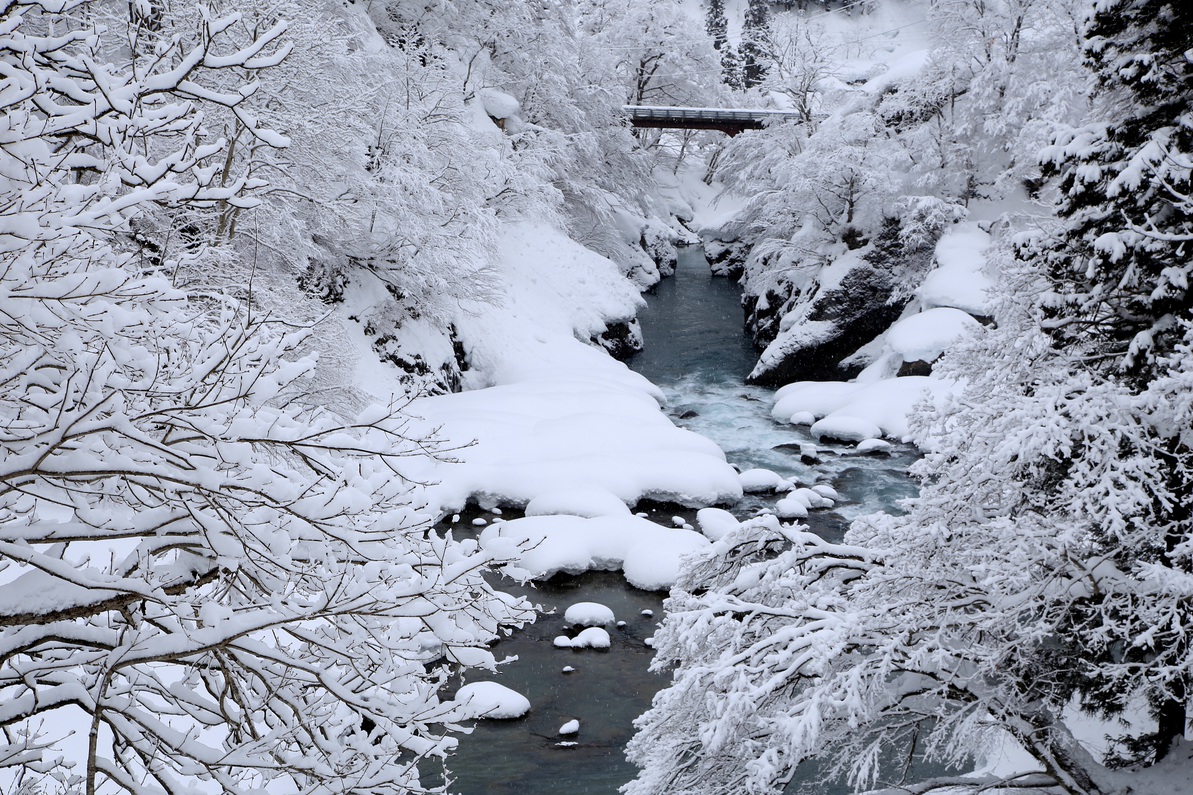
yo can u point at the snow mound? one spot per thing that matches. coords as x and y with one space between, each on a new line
545 413
791 508
716 522
874 446
754 481
498 104
491 700
859 411
581 501
845 428
571 727
591 638
924 337
959 280
543 546
589 614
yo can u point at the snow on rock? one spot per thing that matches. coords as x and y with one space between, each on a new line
589 614
959 280
491 700
591 638
498 104
874 446
754 481
580 501
716 522
815 498
653 563
844 428
646 552
925 336
826 491
791 508
859 411
571 727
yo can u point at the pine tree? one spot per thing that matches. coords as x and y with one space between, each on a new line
716 24
1120 272
1128 194
755 44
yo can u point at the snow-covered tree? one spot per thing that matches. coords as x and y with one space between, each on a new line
204 584
1041 580
1122 267
755 48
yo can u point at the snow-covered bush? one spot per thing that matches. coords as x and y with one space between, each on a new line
203 584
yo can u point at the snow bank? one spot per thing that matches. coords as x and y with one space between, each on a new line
647 553
551 417
491 700
858 411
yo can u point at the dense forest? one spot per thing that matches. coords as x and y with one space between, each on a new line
240 240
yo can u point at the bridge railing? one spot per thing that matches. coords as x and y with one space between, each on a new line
728 120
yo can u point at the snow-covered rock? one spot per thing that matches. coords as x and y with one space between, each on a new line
716 522
959 279
754 481
591 638
925 336
589 614
492 700
580 501
571 727
859 411
646 552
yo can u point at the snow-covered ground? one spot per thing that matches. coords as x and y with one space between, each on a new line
877 403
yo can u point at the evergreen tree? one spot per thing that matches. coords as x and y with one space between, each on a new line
1122 268
1120 272
755 44
716 24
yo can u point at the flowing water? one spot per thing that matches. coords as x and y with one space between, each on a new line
697 353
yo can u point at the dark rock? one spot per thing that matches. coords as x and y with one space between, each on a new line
840 319
917 367
726 258
622 339
689 414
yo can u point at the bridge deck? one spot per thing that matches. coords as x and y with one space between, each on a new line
727 120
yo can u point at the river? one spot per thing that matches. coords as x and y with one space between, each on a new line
698 354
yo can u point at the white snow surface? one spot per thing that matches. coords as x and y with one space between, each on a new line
591 638
858 411
926 335
548 414
959 279
580 501
589 614
754 481
571 727
647 553
715 523
493 700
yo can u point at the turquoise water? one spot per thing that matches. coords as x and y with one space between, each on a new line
698 354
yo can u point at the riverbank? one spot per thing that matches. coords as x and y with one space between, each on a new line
678 415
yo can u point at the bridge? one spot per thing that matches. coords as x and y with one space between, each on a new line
726 120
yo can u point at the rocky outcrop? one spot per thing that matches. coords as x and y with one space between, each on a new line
810 330
622 339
